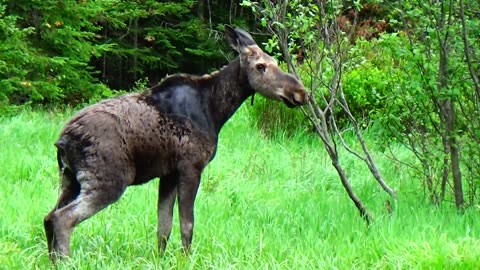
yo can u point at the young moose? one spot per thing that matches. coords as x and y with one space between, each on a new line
169 131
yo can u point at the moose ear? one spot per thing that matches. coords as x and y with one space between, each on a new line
238 38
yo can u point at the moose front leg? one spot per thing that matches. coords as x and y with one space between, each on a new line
187 191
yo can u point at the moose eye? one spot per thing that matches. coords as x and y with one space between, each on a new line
261 67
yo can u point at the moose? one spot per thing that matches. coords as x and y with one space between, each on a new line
169 131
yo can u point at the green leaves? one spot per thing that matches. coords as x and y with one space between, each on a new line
44 53
57 51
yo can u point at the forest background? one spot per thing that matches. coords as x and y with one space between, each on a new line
408 69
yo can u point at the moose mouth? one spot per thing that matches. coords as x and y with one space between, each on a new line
289 103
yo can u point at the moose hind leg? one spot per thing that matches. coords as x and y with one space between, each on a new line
187 191
166 200
70 188
92 198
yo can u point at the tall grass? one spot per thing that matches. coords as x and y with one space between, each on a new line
263 204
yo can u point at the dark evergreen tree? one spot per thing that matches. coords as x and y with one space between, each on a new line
76 51
47 46
153 39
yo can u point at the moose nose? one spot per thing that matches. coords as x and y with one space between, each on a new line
300 97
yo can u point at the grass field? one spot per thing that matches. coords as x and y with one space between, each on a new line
262 204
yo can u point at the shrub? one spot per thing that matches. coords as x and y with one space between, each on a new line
273 118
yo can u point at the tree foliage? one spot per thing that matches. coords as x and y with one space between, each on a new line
434 109
44 54
76 51
152 39
408 68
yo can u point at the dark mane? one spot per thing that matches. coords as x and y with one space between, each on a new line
173 80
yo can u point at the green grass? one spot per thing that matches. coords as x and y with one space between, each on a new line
263 204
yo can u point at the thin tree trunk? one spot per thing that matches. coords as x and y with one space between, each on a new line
447 113
466 48
369 159
320 124
201 9
346 184
445 172
230 12
135 46
455 159
104 59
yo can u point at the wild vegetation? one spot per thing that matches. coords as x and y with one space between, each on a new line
401 75
254 210
409 67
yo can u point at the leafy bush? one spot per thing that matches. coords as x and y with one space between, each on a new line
365 89
274 118
370 79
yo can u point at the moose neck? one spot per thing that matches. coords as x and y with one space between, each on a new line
228 88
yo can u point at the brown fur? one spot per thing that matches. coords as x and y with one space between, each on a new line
169 131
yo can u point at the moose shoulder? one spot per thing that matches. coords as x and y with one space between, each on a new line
169 131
